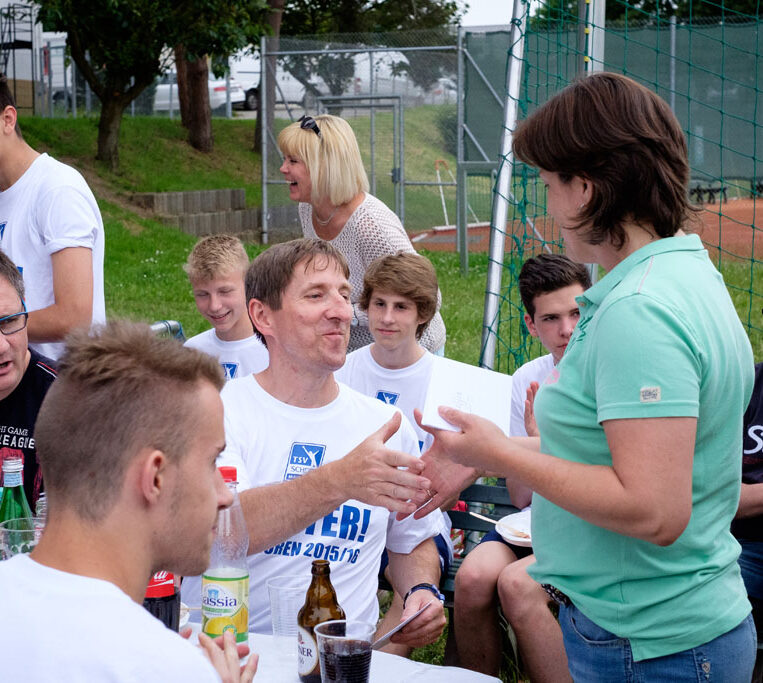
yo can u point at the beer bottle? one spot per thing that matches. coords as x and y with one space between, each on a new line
320 605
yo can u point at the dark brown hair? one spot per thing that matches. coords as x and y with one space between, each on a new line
10 272
405 274
7 99
270 273
119 389
625 140
546 273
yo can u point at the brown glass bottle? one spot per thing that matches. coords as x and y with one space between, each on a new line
320 605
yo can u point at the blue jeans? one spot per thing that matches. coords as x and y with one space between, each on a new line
751 566
596 655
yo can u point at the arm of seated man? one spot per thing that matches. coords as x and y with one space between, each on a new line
750 501
406 570
368 473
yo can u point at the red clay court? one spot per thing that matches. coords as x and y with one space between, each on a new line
733 225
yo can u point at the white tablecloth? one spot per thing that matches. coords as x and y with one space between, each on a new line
274 667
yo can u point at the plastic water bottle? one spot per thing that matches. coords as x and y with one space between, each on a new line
225 585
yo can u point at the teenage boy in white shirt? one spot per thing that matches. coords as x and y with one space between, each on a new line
51 228
548 285
216 267
400 297
131 490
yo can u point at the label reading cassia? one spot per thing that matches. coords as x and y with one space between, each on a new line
307 652
225 603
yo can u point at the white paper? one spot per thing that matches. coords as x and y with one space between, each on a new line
470 389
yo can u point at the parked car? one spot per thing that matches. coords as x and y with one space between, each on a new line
166 91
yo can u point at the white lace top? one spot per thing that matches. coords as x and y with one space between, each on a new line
373 230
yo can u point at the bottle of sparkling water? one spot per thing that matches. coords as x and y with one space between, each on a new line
225 585
13 504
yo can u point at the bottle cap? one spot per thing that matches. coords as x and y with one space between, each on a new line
228 473
161 585
13 464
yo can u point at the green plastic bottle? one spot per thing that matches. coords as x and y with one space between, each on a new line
13 504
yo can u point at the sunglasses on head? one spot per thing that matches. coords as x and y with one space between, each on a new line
308 123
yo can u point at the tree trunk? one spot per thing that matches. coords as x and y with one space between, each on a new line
108 131
199 113
184 98
274 21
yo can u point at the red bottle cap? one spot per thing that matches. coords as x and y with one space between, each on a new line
229 473
162 584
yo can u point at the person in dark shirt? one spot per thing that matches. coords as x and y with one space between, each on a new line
25 377
748 523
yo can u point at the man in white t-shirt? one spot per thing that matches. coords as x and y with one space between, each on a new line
131 491
313 451
51 228
400 296
548 285
216 267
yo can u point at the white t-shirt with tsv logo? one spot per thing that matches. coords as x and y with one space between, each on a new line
238 358
48 209
270 442
404 388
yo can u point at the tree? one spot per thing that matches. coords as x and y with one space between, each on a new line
321 17
234 26
119 45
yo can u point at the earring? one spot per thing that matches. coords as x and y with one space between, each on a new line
581 206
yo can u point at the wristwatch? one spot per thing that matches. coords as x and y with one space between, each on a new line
434 590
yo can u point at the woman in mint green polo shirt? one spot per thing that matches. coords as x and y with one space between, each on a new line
637 470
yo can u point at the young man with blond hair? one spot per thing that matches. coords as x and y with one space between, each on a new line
216 268
128 437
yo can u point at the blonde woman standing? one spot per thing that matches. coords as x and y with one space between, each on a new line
325 172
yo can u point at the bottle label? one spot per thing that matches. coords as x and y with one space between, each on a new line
225 603
307 652
12 479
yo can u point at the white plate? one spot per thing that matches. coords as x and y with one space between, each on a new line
509 525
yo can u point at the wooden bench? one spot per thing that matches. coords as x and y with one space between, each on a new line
482 496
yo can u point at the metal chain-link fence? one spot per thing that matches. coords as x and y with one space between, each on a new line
399 93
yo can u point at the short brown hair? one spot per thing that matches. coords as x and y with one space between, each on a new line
9 271
214 256
624 139
119 389
270 273
405 274
7 100
546 273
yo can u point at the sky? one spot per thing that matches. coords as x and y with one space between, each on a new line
487 12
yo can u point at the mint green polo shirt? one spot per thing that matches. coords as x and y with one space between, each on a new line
658 336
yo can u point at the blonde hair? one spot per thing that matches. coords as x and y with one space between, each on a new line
214 256
332 160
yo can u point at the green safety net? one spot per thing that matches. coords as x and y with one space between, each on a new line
707 64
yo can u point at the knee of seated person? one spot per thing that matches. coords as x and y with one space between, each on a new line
472 581
516 587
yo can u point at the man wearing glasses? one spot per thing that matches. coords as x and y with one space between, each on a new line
51 228
25 377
